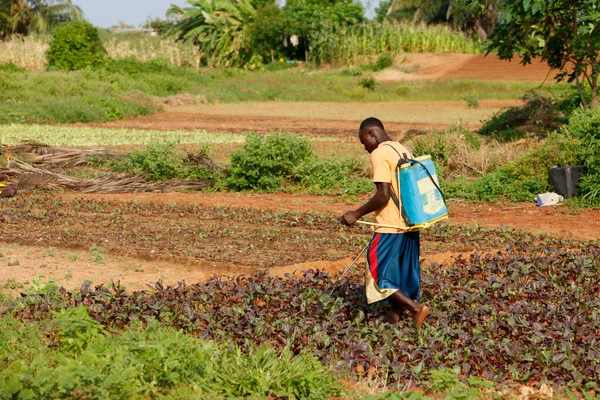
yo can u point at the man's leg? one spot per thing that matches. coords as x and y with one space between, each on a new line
7 191
400 301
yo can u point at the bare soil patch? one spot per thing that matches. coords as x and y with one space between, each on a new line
409 67
321 119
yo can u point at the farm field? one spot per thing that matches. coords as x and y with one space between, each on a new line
513 288
195 262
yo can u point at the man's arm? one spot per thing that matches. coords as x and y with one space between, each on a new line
380 199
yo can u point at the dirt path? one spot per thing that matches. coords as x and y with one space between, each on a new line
323 119
424 66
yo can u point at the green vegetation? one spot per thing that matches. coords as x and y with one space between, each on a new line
265 161
247 32
123 88
478 17
25 17
83 361
163 161
282 161
548 30
75 45
524 175
83 136
219 28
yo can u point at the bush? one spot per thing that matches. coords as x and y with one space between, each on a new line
584 126
520 179
75 45
265 161
368 83
472 100
334 177
163 161
10 67
384 60
539 115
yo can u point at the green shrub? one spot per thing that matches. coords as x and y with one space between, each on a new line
159 162
265 161
520 179
472 100
539 114
75 45
354 70
368 83
384 60
10 67
584 126
334 177
76 329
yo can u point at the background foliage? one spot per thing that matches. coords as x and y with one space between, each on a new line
75 45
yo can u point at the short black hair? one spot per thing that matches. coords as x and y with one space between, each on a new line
371 122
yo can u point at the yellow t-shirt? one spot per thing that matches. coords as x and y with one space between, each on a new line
384 161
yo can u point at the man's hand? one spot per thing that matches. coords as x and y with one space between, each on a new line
350 218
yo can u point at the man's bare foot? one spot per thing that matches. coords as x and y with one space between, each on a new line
419 316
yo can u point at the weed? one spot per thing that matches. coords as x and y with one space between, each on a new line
73 257
354 71
444 379
98 255
384 60
11 284
472 100
368 83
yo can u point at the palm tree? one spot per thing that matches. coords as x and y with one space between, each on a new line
220 28
22 17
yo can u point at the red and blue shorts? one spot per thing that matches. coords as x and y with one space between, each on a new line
393 264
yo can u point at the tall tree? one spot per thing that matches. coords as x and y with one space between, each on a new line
25 16
564 33
220 28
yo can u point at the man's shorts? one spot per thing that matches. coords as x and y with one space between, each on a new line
393 264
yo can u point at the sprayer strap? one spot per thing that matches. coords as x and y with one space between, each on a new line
395 198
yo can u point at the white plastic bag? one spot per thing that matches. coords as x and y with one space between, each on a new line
548 199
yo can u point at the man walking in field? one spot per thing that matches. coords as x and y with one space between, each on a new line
393 271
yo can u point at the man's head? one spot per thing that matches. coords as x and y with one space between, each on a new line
371 133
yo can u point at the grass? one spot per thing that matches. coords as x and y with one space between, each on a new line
117 92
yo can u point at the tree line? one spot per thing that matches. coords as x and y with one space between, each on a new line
234 33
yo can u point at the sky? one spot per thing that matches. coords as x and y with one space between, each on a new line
107 13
